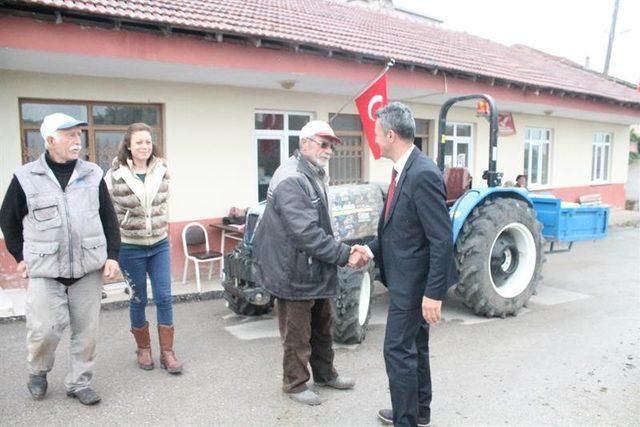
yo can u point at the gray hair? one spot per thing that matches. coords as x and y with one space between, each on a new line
398 118
55 135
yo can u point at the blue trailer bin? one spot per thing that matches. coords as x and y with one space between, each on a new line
569 223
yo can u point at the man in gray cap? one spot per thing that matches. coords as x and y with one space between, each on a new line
295 259
60 226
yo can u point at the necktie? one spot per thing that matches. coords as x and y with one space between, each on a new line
390 193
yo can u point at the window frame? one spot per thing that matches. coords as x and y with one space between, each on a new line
424 136
91 128
540 143
340 133
282 134
348 133
285 133
459 139
594 146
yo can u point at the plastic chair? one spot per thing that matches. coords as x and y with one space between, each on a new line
194 234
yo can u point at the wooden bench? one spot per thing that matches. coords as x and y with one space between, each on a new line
590 200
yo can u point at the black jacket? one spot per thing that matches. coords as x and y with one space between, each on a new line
294 251
414 247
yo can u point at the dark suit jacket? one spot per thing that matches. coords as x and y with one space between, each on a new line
414 247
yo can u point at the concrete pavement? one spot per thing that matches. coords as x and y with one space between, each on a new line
570 358
12 299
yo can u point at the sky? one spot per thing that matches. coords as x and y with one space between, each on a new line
573 29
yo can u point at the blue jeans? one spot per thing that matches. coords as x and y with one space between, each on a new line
136 262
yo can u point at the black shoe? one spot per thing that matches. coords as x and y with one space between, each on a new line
86 396
37 386
386 416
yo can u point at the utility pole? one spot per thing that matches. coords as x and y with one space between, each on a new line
612 33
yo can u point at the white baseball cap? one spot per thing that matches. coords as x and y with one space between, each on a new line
58 121
318 128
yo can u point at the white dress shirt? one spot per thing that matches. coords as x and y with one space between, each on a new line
399 167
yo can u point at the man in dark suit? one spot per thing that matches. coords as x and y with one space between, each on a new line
414 251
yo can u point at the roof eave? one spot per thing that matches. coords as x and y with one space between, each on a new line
61 14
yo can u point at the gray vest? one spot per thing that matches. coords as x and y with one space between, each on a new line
63 234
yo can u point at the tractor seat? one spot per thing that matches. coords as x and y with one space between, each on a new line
457 181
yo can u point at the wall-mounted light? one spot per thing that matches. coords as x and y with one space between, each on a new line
548 112
287 84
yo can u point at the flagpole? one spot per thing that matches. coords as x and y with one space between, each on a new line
390 64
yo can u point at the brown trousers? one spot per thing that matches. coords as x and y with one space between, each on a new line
305 331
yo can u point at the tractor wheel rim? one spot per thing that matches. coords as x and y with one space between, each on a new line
504 257
365 295
516 254
508 260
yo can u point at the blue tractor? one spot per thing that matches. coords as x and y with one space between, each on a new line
501 235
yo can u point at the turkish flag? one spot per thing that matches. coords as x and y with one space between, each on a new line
374 97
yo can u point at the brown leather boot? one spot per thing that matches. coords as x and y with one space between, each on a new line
168 359
143 340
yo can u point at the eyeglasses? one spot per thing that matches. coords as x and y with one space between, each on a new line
323 144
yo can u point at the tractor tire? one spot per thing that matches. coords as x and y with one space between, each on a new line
245 308
499 256
351 309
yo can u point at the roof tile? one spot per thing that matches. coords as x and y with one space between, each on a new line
335 25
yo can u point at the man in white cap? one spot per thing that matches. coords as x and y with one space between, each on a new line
295 258
61 228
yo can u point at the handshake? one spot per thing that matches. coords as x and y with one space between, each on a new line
360 256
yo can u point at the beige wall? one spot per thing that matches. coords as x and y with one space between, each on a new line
571 142
209 136
570 146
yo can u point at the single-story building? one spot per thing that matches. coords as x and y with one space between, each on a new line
227 86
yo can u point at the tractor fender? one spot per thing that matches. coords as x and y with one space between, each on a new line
477 196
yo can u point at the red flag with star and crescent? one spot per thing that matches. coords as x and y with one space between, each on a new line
374 97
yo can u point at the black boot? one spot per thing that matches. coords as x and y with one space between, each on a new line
386 417
37 386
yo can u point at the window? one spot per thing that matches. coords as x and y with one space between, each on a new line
421 139
107 123
347 163
277 137
600 156
458 146
537 143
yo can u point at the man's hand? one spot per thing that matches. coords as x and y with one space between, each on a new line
359 256
111 268
22 269
356 260
431 310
